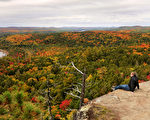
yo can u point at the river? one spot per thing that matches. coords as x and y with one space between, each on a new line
2 54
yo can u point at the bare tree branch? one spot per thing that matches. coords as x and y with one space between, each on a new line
76 68
68 109
79 84
77 89
82 85
73 95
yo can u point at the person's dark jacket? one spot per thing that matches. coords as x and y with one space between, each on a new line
133 83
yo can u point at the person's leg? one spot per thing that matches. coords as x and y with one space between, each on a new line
124 87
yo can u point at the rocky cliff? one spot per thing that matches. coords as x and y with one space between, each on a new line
119 105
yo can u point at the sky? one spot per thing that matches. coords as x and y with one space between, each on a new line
74 13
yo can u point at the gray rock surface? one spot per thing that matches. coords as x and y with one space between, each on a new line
128 105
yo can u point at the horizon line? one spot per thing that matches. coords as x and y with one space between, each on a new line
74 26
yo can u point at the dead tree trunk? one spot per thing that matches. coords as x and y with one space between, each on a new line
83 85
83 89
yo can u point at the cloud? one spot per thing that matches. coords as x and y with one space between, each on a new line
74 12
5 0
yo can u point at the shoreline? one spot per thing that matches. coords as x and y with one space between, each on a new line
5 52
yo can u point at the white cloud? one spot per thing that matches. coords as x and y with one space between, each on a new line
4 0
74 12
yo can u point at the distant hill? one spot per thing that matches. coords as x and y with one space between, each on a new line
133 28
72 29
50 29
26 29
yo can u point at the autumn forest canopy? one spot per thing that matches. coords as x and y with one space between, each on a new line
38 59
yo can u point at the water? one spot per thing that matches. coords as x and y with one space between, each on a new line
2 54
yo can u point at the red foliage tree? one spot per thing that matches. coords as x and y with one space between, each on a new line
148 77
64 104
34 100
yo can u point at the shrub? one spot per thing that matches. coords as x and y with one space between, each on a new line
8 97
16 113
34 100
38 111
71 115
19 98
27 111
2 111
1 99
40 99
64 104
29 107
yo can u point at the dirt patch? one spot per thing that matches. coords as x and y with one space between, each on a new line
98 112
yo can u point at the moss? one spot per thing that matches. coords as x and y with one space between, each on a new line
71 115
98 112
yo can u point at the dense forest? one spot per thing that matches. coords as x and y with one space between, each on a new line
37 75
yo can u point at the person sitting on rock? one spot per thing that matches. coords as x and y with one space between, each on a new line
133 83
